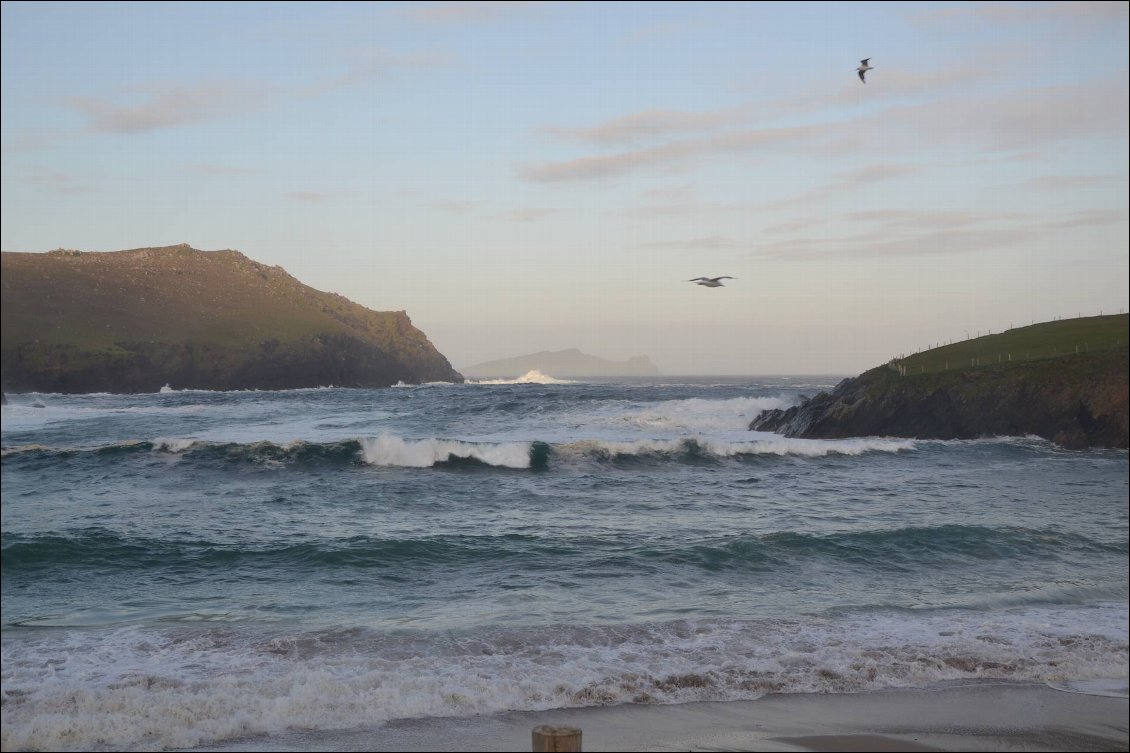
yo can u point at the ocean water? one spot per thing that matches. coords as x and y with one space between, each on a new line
191 568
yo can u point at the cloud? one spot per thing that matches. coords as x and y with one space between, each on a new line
455 207
850 181
682 210
1054 182
213 169
1025 121
1021 121
793 226
660 30
933 219
1090 217
876 173
613 165
1087 12
913 232
529 214
363 65
58 182
466 12
25 141
885 244
169 105
713 242
682 193
1091 10
312 197
648 125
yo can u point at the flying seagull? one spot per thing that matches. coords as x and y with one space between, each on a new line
863 68
712 282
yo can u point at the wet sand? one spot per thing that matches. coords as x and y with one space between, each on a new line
982 717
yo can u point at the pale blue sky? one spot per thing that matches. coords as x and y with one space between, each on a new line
540 176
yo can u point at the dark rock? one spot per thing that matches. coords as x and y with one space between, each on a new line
1075 401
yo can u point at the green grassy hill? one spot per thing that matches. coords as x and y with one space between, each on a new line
1067 381
121 320
1022 344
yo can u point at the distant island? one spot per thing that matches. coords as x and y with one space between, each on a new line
563 363
138 320
1065 381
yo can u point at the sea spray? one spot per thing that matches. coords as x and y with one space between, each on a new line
194 568
136 688
425 453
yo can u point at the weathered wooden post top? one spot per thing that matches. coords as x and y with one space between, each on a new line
549 738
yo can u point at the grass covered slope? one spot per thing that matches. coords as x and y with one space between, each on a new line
1076 399
1033 343
133 321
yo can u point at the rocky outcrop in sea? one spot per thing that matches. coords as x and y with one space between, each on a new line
1075 401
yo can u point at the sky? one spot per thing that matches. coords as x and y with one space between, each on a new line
527 176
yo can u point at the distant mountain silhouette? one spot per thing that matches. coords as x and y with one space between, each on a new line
563 363
134 321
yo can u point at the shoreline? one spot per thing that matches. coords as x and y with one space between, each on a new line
976 717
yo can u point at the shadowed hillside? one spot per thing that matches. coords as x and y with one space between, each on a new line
133 321
1067 381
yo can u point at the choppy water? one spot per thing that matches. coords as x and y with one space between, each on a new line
185 568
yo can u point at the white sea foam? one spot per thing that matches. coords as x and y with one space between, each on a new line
696 414
778 445
772 444
530 377
139 689
424 453
173 445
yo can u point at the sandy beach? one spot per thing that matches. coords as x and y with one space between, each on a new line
980 717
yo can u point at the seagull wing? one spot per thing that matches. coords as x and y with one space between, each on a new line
864 62
861 78
723 277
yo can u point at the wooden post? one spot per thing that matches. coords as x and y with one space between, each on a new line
548 738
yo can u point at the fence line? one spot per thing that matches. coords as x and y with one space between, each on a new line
900 366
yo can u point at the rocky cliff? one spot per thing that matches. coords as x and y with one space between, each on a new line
134 321
1076 401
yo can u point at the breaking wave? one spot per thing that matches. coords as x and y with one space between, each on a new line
530 377
184 687
394 451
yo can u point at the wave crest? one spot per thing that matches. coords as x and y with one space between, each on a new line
530 377
391 450
425 453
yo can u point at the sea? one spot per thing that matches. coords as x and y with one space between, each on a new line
192 569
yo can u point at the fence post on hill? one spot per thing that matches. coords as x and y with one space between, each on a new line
548 738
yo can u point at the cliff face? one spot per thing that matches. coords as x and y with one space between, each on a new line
133 321
1075 401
